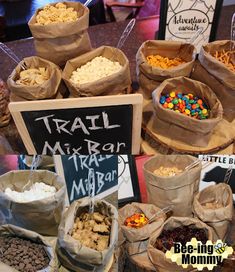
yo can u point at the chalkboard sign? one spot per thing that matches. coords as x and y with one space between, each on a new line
74 169
94 125
181 19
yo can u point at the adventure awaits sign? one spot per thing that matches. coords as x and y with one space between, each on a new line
183 20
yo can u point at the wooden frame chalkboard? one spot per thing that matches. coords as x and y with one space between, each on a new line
132 180
120 104
208 9
75 176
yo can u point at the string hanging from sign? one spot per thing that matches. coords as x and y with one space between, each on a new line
91 190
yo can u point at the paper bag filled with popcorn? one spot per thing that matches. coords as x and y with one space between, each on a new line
60 31
86 241
103 71
160 60
40 80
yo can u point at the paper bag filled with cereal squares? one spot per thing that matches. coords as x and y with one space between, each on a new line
60 31
86 241
40 80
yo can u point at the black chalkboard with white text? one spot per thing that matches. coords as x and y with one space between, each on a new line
94 130
86 125
75 171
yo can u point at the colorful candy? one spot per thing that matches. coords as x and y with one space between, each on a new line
187 104
137 220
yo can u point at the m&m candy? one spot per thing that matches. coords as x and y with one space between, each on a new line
187 104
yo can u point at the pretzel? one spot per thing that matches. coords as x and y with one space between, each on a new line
226 58
163 62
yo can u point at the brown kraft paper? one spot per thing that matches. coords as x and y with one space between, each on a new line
11 230
218 219
184 128
151 77
214 66
143 233
161 263
46 90
59 42
137 253
42 216
225 94
116 83
72 254
177 191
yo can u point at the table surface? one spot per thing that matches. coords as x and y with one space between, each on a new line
104 34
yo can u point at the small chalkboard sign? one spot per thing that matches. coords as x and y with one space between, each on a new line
180 20
94 125
74 170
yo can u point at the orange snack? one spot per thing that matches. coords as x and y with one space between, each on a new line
163 62
137 220
227 58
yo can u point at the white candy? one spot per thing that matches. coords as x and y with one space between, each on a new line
97 68
38 190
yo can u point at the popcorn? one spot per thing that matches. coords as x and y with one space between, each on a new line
38 190
33 76
56 14
97 68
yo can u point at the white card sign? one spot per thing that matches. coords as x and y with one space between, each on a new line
181 20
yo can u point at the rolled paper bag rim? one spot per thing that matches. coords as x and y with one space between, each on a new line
61 29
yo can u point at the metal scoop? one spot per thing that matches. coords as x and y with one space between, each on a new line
12 55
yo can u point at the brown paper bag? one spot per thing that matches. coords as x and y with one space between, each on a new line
114 84
72 254
225 94
11 230
218 219
42 216
157 257
184 128
143 233
120 251
178 190
151 77
48 89
59 42
137 253
214 66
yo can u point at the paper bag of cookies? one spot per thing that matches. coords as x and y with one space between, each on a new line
214 206
41 80
60 31
86 241
160 60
